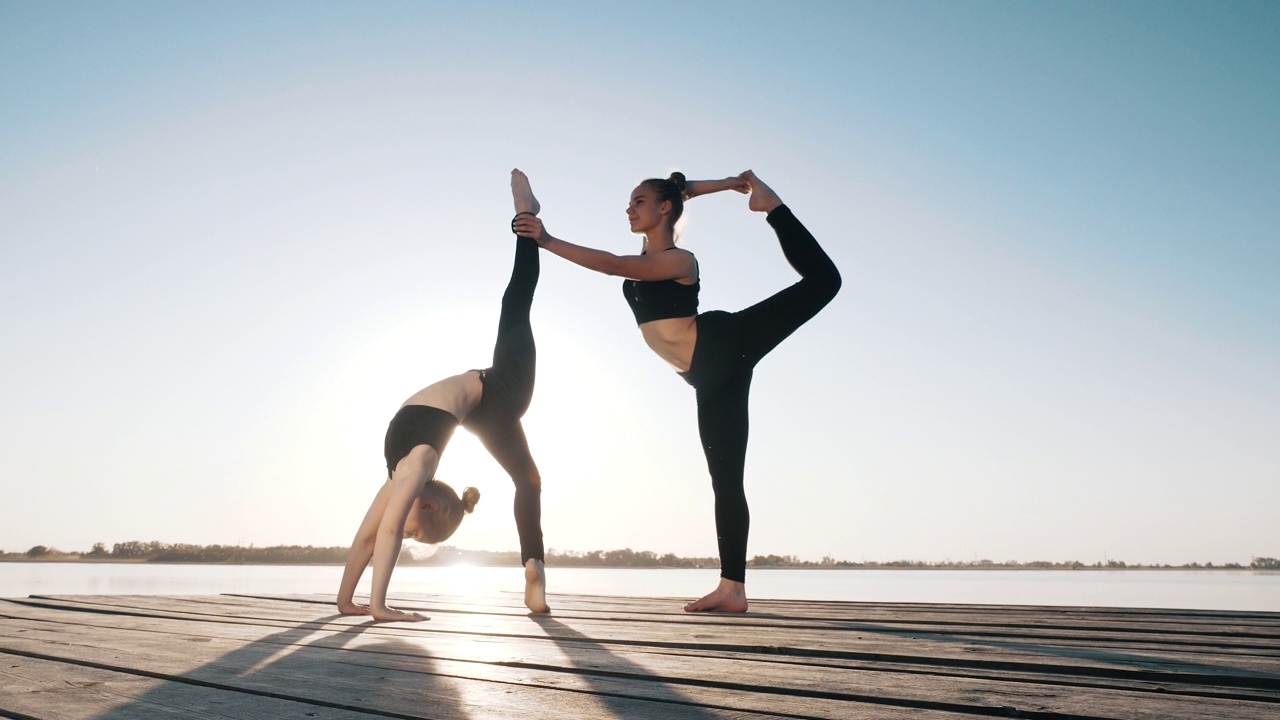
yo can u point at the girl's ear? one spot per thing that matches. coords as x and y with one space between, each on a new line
431 505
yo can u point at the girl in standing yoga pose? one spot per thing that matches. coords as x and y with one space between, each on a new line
714 351
489 403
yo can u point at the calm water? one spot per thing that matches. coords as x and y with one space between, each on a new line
1210 590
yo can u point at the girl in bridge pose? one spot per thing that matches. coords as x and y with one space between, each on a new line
489 403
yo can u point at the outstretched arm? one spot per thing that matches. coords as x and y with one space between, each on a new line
694 188
658 266
360 553
402 491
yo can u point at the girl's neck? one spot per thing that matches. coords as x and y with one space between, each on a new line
658 240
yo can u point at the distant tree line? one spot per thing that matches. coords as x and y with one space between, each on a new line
135 551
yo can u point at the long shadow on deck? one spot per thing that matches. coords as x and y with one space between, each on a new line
1154 664
608 673
317 674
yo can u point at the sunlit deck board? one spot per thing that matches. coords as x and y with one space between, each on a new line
603 657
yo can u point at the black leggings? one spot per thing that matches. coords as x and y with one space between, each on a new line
728 347
508 388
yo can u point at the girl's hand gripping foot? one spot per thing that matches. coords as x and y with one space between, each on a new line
763 198
530 227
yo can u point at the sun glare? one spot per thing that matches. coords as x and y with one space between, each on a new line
328 432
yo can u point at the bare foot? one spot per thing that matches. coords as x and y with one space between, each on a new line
763 198
535 586
522 193
729 596
393 615
350 608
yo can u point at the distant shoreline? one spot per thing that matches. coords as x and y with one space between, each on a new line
576 561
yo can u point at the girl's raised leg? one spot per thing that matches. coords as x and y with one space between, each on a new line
775 318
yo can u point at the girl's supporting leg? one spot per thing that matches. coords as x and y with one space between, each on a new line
723 428
507 444
722 379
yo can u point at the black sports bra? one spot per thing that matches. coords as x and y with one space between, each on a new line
415 425
660 299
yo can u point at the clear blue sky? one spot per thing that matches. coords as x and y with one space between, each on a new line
234 237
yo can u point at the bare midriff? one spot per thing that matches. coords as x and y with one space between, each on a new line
672 339
457 395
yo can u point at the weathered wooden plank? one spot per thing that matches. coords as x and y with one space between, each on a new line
517 642
884 687
1169 627
995 614
1151 664
196 697
705 633
53 690
395 677
1219 640
785 610
1164 629
1166 684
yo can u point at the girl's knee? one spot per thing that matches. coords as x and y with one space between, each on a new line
729 489
831 283
530 479
824 285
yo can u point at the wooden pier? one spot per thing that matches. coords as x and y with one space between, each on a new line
479 658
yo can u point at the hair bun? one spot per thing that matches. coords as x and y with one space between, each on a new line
677 178
470 497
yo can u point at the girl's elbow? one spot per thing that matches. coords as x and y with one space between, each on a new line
364 541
